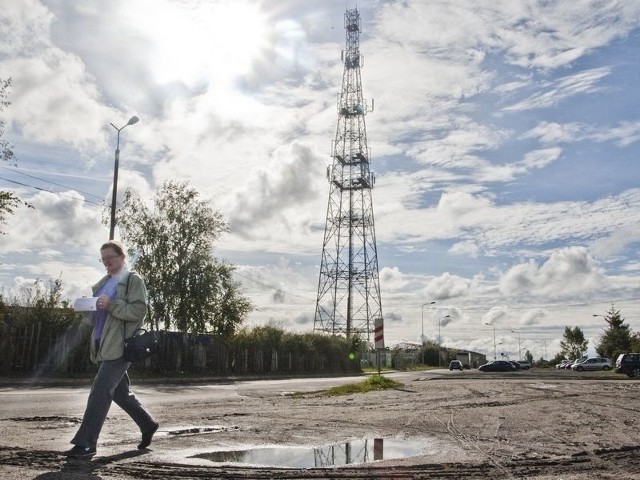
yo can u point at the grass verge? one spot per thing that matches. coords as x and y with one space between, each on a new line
374 382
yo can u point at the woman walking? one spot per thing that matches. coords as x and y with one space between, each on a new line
121 307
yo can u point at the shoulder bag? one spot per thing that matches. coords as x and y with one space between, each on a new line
142 344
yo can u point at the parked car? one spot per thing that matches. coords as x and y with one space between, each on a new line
569 366
629 364
497 366
456 365
593 363
515 364
563 363
524 365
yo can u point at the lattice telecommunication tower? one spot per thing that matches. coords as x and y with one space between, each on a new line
348 288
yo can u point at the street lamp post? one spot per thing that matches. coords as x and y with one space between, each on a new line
440 341
494 339
519 349
112 226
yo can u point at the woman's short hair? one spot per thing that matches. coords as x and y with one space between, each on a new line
117 246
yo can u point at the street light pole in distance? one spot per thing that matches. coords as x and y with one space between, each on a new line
112 226
494 338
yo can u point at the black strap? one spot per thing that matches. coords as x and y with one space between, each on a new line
126 297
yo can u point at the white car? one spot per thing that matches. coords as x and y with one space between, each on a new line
593 363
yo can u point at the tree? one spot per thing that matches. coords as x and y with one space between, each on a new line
528 357
171 246
6 153
574 344
616 338
39 302
8 200
634 346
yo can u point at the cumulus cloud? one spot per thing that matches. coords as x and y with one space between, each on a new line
447 286
493 315
461 204
288 186
466 247
56 221
533 317
569 270
54 98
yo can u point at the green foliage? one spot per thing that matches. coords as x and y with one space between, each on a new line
573 344
335 349
528 356
6 152
171 245
557 359
634 346
374 382
37 303
617 336
429 352
8 200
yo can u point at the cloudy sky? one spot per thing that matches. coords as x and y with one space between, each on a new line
505 141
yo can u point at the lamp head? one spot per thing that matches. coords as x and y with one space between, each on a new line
133 120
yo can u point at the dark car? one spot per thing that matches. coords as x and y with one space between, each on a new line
629 364
455 365
497 366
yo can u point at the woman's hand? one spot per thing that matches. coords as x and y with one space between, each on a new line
103 302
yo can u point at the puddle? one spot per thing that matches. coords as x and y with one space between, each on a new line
348 453
196 430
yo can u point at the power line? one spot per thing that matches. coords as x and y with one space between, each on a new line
48 181
50 191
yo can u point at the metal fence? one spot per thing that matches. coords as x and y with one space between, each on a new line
47 349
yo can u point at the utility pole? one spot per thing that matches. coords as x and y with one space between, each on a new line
348 299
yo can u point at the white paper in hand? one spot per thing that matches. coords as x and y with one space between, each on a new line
85 304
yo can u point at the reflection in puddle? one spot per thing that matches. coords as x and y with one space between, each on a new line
352 452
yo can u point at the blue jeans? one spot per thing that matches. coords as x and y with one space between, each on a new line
111 384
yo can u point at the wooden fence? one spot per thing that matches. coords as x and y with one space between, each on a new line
48 350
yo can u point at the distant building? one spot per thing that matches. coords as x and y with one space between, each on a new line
471 359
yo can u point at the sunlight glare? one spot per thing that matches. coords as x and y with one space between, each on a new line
200 41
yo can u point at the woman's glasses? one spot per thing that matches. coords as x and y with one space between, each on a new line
107 258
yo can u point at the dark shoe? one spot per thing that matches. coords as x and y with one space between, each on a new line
81 452
147 437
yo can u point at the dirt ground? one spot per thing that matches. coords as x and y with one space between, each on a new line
526 425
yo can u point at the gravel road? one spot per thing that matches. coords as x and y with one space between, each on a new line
524 425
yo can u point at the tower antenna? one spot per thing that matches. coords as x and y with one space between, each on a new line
348 299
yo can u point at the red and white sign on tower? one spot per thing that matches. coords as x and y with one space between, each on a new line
378 335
